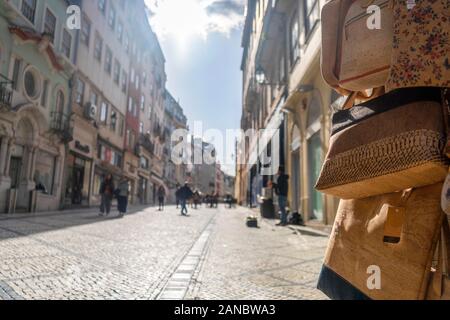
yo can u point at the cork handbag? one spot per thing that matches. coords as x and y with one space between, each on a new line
354 56
421 45
382 247
390 143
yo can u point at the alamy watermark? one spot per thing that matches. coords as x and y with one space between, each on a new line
212 146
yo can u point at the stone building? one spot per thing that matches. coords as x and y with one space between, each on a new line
99 99
174 118
37 56
283 89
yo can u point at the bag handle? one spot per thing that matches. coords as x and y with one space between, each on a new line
358 95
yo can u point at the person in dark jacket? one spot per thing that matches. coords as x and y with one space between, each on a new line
281 189
185 193
106 193
177 197
122 192
161 197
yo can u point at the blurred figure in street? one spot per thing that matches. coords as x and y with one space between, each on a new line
196 198
161 196
229 200
122 196
106 193
281 189
177 196
185 194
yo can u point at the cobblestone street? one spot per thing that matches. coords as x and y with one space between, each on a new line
156 255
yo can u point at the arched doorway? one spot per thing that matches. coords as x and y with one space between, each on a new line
20 165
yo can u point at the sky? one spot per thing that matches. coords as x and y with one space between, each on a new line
201 41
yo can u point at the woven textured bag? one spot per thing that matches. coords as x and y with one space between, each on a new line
393 142
382 247
354 57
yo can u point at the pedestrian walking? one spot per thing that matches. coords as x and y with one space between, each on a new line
185 194
281 189
122 196
106 193
177 196
161 197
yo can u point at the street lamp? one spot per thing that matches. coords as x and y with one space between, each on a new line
261 79
260 75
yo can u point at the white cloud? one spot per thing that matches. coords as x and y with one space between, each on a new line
184 18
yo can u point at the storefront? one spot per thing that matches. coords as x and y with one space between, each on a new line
109 162
79 165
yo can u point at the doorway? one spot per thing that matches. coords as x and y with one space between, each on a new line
77 184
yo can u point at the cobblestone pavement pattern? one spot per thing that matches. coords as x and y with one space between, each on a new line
78 255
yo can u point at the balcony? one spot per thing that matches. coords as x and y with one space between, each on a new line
29 9
6 93
145 142
60 124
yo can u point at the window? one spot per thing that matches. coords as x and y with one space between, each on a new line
80 92
98 47
108 60
135 109
112 18
132 75
144 163
104 112
44 94
294 40
124 81
117 72
29 9
141 127
45 171
113 120
102 6
66 43
119 31
85 30
50 25
31 84
94 98
59 102
311 15
142 102
130 104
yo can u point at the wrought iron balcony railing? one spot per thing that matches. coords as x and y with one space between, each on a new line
6 92
60 124
145 142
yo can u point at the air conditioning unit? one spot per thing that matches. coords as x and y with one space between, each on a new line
90 111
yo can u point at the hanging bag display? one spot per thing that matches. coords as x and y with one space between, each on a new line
390 143
382 247
356 51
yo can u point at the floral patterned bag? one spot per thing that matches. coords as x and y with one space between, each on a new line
421 44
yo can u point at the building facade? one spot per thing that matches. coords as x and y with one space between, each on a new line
78 105
36 66
283 86
174 119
